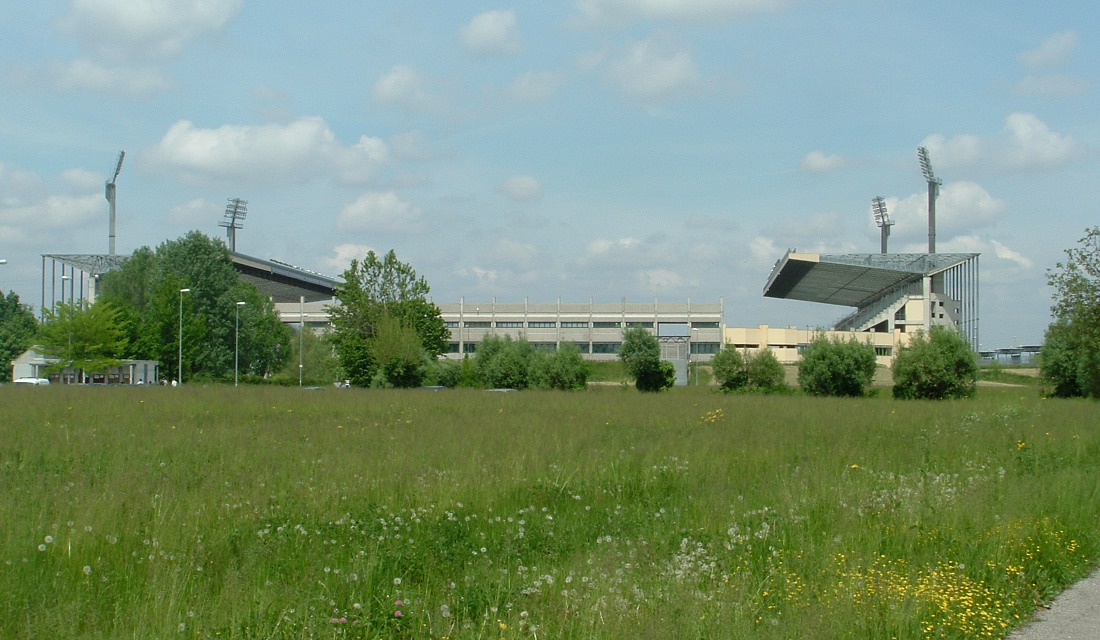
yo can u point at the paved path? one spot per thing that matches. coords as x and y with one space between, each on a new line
1074 615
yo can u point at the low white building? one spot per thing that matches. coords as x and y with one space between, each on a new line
33 364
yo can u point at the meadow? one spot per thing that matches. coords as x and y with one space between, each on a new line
284 513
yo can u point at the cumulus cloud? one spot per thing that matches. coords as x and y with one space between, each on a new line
404 87
615 13
535 86
522 188
820 162
343 254
653 68
127 30
1028 143
961 207
298 151
1054 51
1005 253
380 213
33 221
492 33
515 254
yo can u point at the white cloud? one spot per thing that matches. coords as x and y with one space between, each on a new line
653 68
1005 253
84 74
820 162
535 86
1053 86
404 87
196 213
661 279
34 211
380 213
298 151
621 12
961 207
1033 144
492 33
1028 143
128 30
1054 51
522 188
343 254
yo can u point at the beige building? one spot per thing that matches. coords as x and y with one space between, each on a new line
787 344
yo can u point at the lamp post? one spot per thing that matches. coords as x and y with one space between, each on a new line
237 344
65 279
179 362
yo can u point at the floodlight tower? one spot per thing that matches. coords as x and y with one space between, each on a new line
882 218
111 200
235 213
934 184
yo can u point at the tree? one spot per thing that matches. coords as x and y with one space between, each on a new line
564 369
754 372
837 367
504 363
377 288
17 329
935 367
89 339
641 354
1071 349
397 351
146 290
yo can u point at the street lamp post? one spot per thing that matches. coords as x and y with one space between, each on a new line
179 362
65 279
237 344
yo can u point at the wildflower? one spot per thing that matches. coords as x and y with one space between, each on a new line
397 614
397 582
49 539
87 570
854 466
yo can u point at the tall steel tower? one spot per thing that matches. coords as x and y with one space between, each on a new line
111 199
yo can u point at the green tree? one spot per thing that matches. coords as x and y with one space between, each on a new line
17 330
1071 349
837 367
564 369
759 372
146 290
319 364
935 367
504 363
377 288
641 354
399 356
90 340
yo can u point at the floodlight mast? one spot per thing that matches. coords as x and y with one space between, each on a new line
235 213
933 192
882 218
111 199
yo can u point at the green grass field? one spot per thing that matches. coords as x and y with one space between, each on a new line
282 513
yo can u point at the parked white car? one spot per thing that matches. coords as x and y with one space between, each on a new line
34 381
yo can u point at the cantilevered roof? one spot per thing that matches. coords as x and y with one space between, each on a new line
852 279
284 282
90 263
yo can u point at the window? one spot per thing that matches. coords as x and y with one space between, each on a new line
704 325
574 325
509 324
541 324
606 347
544 346
478 325
644 325
452 347
470 347
701 348
882 351
607 325
451 324
583 347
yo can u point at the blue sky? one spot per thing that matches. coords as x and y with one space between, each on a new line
588 149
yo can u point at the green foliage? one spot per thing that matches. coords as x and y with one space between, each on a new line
319 363
90 339
146 292
837 367
766 373
641 354
564 369
271 513
729 369
504 363
1071 349
398 355
374 289
17 330
935 367
759 372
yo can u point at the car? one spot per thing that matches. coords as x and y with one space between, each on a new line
33 381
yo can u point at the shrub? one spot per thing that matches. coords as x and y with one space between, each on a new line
564 369
760 371
641 353
935 367
837 367
504 363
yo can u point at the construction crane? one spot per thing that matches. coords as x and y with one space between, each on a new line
882 219
111 199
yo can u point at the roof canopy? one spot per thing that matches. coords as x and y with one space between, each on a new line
852 279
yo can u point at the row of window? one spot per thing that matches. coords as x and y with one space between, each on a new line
697 348
565 324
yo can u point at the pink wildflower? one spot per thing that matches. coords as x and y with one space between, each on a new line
397 614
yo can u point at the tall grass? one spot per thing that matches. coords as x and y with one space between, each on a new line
279 513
